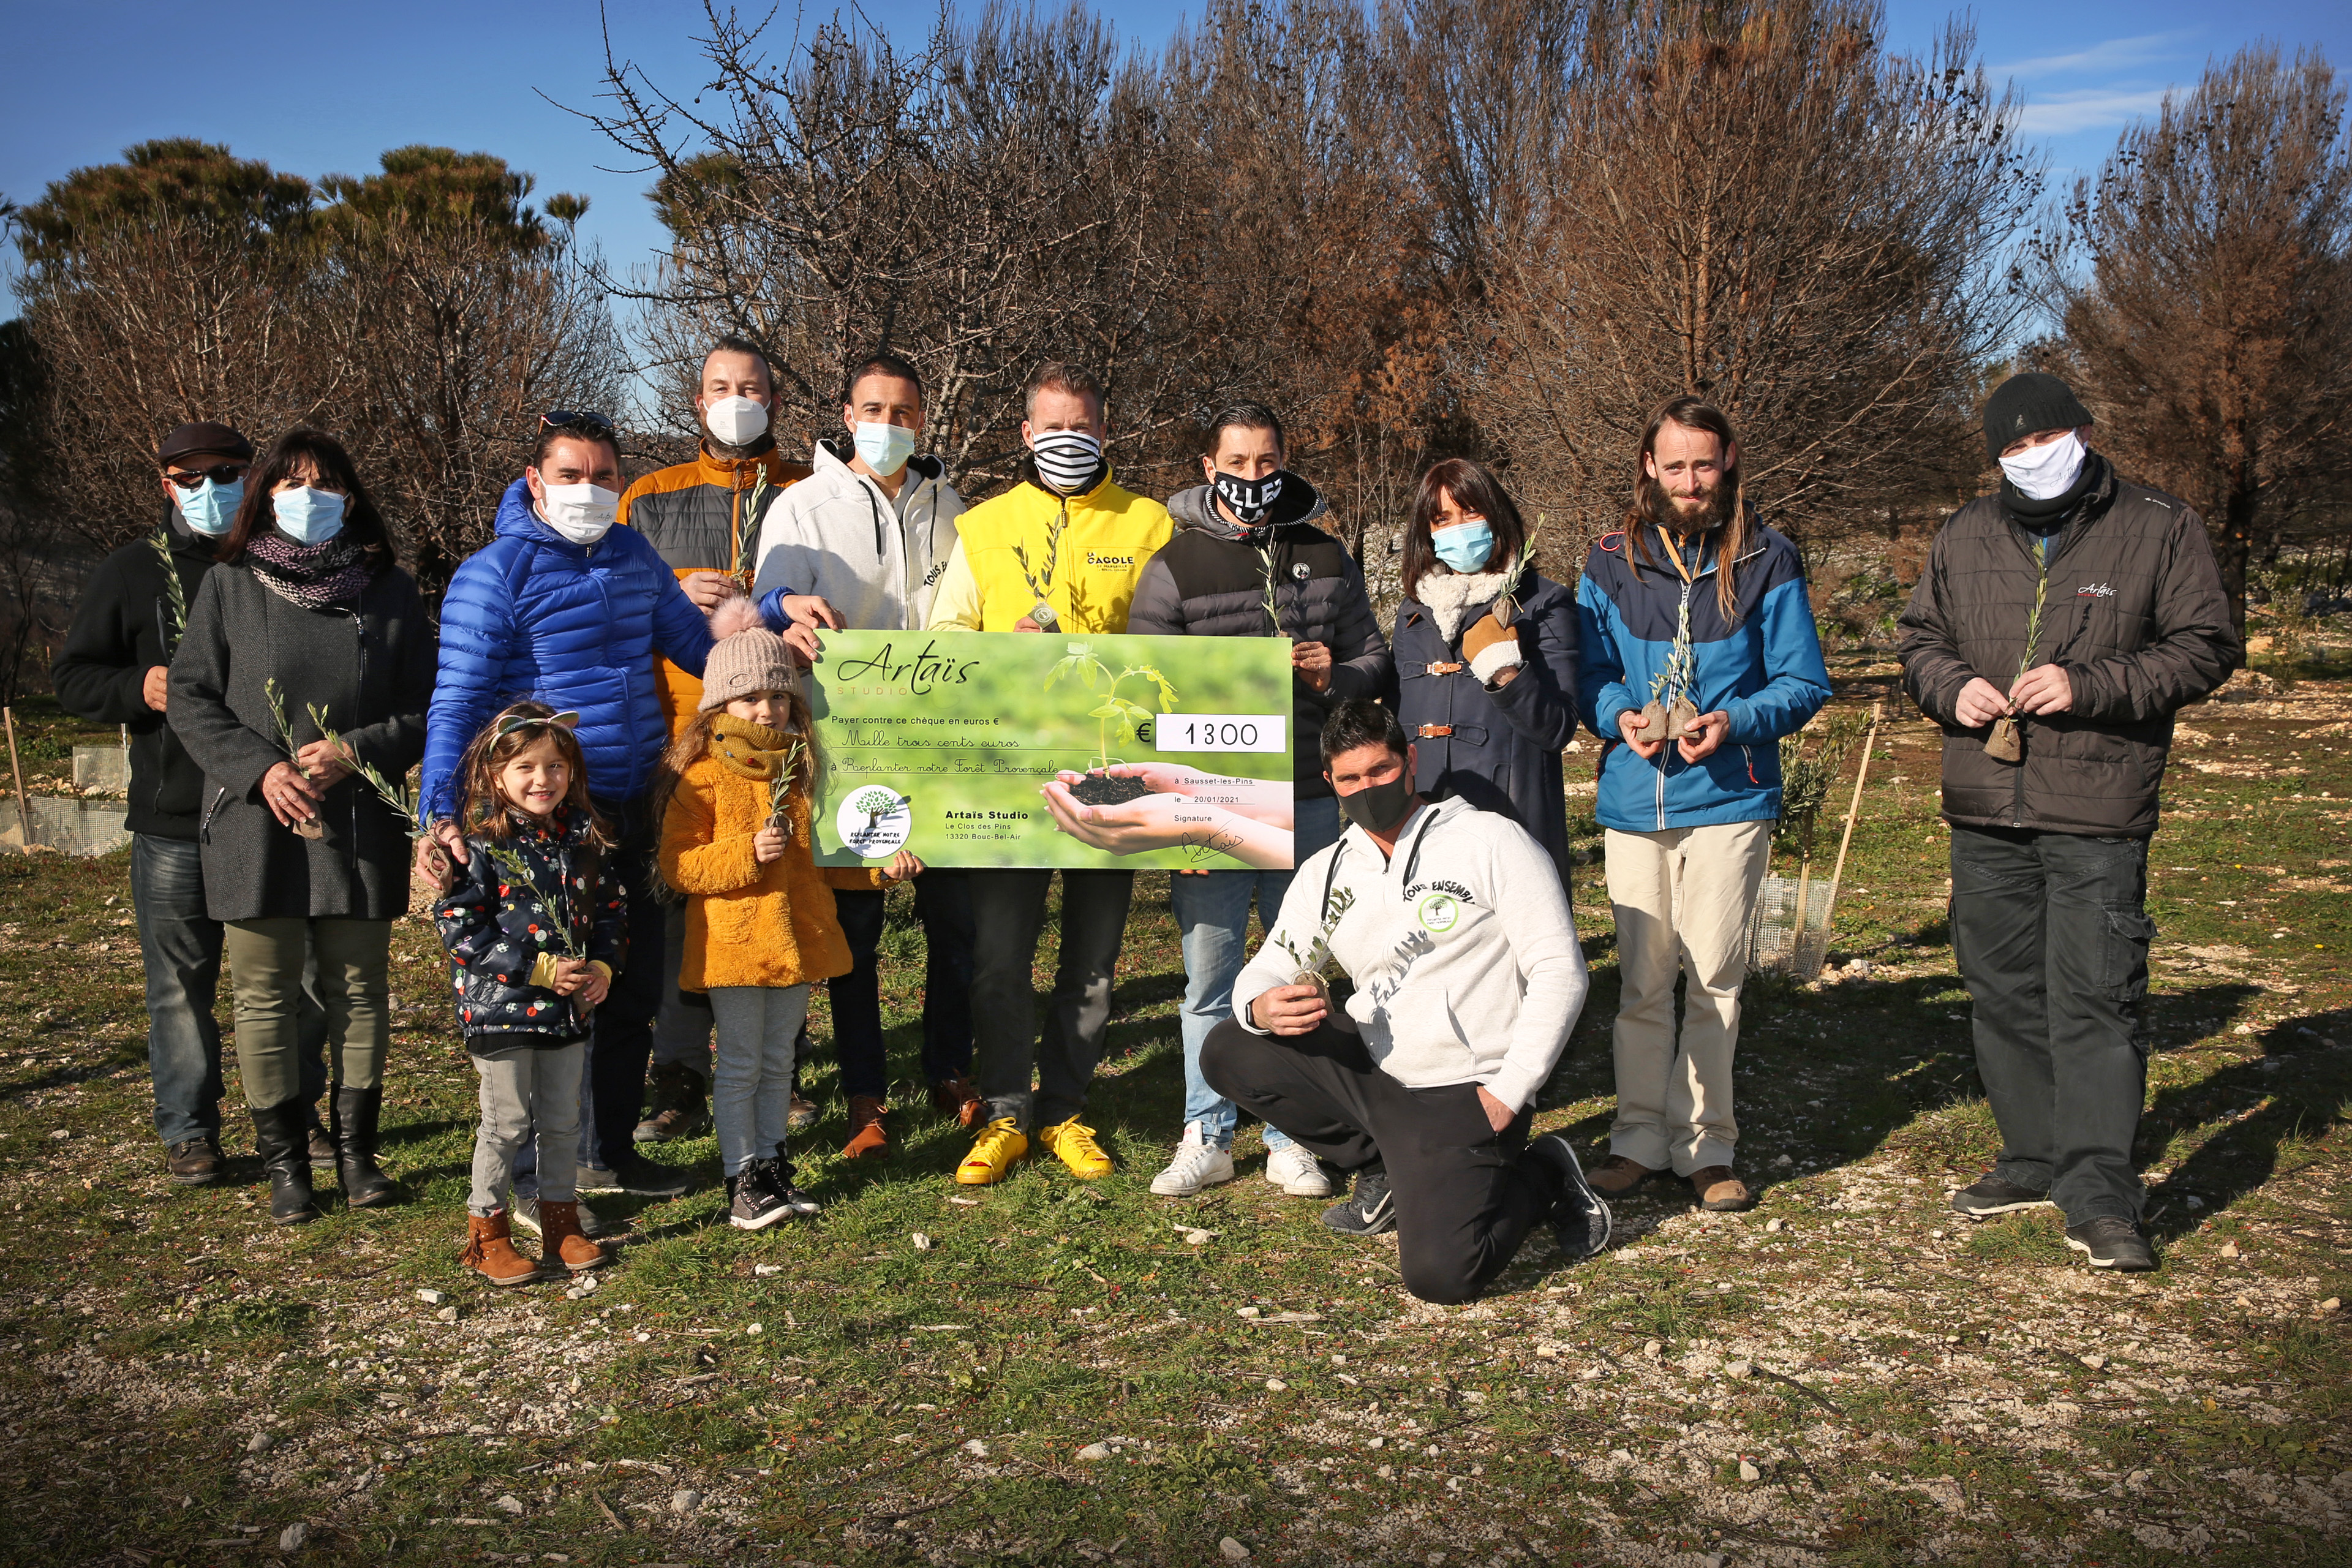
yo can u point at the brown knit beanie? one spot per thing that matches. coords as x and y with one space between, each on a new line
746 663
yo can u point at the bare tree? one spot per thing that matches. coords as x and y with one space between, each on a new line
2203 291
1751 202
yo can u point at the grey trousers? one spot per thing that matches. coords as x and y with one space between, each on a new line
2052 933
751 1092
529 1093
1008 911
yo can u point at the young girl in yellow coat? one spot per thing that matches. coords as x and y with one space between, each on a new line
760 926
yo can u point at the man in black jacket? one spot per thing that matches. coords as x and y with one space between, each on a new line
1246 539
2058 626
111 671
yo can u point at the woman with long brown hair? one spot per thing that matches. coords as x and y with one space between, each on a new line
307 651
1486 656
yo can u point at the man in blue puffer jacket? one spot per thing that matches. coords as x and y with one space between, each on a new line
562 607
1700 654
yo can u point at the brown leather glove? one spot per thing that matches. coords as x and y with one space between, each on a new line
1489 647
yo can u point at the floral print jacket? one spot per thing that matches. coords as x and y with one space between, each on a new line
504 933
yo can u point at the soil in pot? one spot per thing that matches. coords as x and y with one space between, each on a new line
1308 977
1654 722
2007 741
1679 718
1095 789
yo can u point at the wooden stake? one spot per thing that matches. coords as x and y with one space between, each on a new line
24 812
1853 810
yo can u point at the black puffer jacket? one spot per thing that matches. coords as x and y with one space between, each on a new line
122 627
496 929
2137 616
1210 580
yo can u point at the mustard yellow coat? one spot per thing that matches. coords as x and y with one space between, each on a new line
746 924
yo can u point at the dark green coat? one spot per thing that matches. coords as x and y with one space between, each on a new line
368 662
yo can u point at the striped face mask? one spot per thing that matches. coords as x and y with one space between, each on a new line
1069 461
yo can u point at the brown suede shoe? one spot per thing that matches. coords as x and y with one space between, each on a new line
1720 1192
868 1136
955 1097
490 1253
1617 1175
561 1239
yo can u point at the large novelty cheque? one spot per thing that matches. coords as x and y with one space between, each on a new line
1009 748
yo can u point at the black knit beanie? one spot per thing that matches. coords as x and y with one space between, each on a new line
2027 404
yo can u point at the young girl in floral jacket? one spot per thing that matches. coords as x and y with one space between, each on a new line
535 927
760 924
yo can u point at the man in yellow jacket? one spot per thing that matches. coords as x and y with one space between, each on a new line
704 518
1062 550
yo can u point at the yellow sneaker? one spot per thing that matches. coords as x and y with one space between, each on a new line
1075 1142
992 1158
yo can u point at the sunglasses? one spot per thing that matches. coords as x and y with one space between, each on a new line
558 418
225 474
513 722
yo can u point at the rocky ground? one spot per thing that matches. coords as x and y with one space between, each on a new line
1050 1372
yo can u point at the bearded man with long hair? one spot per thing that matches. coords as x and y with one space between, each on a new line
1698 654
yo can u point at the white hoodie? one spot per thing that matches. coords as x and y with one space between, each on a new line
837 534
1461 945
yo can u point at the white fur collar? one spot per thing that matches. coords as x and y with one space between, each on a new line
1452 596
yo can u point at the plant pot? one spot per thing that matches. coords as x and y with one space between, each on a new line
437 862
1322 986
2006 743
1653 721
1042 615
313 829
782 821
1680 717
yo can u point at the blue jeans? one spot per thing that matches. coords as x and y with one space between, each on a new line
1213 913
180 945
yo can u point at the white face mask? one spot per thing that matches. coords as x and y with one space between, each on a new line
737 421
580 513
2047 470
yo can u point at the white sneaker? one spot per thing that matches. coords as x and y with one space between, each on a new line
1196 1165
1297 1172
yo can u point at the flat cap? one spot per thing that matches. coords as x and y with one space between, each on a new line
204 437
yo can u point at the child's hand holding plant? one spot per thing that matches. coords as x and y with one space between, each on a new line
768 844
579 978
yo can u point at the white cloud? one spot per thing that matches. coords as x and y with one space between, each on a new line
2114 55
2091 108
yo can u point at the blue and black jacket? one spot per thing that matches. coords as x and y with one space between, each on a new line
496 930
1764 669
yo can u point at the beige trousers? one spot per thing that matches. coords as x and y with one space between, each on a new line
1683 899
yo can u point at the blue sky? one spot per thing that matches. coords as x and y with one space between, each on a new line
325 88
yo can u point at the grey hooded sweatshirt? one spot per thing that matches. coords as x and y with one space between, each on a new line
1211 580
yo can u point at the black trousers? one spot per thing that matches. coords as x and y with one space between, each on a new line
1008 913
2052 933
943 905
1463 1206
623 1040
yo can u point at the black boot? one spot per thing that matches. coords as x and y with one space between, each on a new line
279 1132
355 1115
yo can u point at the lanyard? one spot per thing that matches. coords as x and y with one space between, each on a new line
1674 554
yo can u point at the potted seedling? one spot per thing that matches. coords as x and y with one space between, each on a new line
312 827
2006 742
1040 577
1670 713
1317 964
1115 711
394 796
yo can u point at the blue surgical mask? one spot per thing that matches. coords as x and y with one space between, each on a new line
211 509
308 516
1465 546
884 448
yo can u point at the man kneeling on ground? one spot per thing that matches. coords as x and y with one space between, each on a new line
1468 981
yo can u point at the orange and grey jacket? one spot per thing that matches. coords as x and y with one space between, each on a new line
705 516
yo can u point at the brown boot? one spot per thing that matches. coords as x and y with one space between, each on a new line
1617 1175
868 1135
490 1252
1720 1192
955 1097
560 1239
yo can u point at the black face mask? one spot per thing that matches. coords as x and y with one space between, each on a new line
1376 809
1248 499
